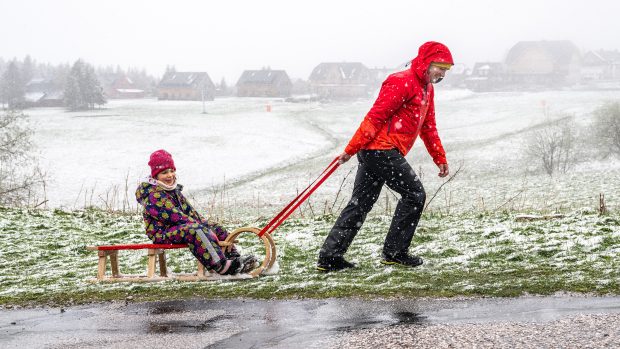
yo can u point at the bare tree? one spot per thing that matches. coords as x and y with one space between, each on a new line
20 176
554 147
607 128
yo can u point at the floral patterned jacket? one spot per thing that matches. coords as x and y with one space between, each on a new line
164 209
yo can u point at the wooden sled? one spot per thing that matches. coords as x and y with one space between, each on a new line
157 256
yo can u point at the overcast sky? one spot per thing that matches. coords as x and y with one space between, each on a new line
226 37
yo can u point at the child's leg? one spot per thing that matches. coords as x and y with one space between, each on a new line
158 237
202 242
222 234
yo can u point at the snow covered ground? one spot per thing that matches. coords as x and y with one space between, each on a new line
241 151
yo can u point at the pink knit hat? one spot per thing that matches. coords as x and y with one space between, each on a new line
160 160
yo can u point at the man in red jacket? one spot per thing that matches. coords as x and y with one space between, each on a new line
403 110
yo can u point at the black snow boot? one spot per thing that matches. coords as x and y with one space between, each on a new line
333 264
402 259
238 265
232 254
248 263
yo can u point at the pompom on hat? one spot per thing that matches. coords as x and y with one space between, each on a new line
160 161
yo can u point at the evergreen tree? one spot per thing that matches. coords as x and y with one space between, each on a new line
73 94
59 75
84 82
93 91
83 90
28 70
12 87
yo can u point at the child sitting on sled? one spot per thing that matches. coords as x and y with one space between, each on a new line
170 219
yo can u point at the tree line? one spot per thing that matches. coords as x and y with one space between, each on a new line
80 83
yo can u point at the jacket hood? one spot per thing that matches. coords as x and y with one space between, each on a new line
430 52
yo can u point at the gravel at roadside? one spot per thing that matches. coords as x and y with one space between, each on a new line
579 331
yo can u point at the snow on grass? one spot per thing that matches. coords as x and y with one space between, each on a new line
467 254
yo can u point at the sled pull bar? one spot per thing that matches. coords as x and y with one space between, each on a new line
293 205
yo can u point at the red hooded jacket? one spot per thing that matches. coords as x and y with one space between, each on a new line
405 109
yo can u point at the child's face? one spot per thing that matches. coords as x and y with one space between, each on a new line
168 176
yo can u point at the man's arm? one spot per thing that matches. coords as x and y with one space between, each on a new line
392 95
430 136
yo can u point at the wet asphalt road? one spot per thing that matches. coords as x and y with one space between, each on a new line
265 324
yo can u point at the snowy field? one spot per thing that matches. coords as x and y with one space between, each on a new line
100 150
241 155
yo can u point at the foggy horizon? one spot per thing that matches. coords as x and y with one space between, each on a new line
226 39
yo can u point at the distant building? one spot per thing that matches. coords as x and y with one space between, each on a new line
43 93
342 80
122 87
264 83
543 63
601 65
191 86
486 76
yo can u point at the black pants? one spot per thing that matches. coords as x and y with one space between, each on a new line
378 167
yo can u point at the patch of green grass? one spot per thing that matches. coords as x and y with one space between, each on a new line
500 254
532 230
547 253
450 252
422 238
492 234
